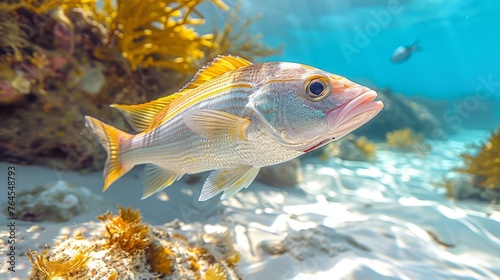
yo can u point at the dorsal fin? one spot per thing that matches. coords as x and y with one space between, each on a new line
220 65
140 116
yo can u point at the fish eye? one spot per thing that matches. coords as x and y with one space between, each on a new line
316 88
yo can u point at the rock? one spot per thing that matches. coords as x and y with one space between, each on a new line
137 250
461 187
464 187
306 243
286 174
57 201
92 80
400 112
345 149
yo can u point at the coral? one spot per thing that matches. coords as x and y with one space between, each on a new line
156 33
46 267
168 254
407 140
485 164
125 230
57 201
233 39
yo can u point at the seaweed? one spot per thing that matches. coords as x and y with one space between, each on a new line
350 148
157 33
233 258
86 54
131 249
367 148
485 164
233 39
125 230
52 268
407 140
215 272
160 259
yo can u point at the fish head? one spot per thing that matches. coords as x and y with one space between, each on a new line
313 108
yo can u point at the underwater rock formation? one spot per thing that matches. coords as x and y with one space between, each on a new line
61 60
463 187
45 125
287 174
350 148
133 250
400 112
57 201
306 243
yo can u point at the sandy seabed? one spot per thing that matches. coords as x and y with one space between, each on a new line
348 220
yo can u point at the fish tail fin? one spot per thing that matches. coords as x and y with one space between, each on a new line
415 47
111 139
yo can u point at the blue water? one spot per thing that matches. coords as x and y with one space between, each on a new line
460 41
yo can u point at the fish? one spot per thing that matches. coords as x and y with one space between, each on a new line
234 117
403 53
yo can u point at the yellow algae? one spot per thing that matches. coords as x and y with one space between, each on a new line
161 259
406 140
234 39
159 33
485 164
367 148
167 252
350 148
57 268
215 272
125 230
233 258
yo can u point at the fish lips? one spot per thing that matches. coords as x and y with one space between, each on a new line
352 115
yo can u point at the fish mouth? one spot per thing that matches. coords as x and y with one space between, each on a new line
354 114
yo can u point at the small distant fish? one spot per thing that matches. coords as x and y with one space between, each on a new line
402 53
234 117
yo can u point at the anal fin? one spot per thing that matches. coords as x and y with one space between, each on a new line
229 180
158 178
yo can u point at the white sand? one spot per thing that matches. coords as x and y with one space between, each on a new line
387 219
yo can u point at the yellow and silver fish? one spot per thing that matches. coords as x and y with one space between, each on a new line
234 117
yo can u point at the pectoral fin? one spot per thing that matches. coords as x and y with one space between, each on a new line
230 181
157 178
208 123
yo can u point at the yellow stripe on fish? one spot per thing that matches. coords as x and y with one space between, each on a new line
234 117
